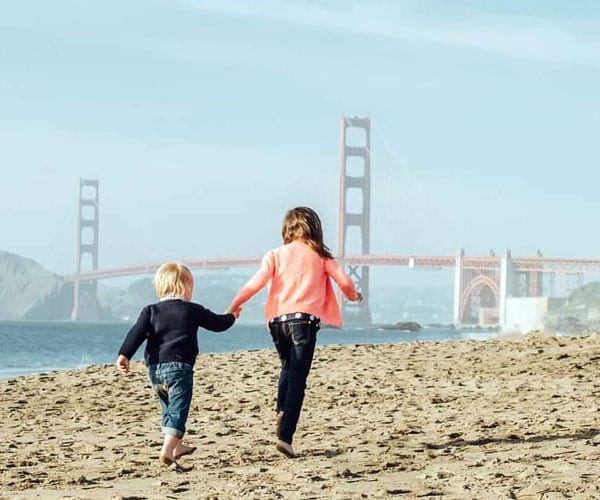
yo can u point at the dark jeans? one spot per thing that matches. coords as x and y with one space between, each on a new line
295 341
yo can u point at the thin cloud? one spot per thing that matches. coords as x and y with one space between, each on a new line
529 38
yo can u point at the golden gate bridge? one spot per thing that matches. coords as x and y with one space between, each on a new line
478 280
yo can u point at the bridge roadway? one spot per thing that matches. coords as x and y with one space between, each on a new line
486 263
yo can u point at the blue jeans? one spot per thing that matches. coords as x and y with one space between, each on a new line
295 341
173 383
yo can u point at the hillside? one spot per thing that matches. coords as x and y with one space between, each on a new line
26 287
213 290
28 291
580 312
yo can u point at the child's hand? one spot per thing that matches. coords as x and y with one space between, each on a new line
359 297
236 312
123 364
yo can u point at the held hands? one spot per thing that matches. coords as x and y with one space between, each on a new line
122 365
235 312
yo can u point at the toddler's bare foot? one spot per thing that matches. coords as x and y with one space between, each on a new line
181 450
172 465
286 449
166 460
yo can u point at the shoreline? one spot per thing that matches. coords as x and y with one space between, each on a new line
515 416
17 372
247 338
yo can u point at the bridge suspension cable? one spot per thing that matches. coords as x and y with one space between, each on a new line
421 202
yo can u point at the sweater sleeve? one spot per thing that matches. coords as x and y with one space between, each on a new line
137 334
342 279
212 321
256 283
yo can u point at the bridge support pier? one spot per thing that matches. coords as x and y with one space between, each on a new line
359 181
476 292
85 293
507 286
536 281
458 288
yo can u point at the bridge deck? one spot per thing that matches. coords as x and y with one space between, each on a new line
541 264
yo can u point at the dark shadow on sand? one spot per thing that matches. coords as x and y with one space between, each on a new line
512 438
324 453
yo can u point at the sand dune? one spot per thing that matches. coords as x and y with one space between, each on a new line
512 418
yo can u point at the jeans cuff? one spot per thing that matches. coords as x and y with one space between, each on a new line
171 431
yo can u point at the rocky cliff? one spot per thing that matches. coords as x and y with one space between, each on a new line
580 311
26 288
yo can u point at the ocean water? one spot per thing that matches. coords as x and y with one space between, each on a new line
36 347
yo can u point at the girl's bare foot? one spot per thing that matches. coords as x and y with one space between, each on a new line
286 449
181 450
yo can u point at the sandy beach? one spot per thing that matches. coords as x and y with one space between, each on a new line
506 418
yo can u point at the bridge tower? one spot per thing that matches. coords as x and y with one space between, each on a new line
355 184
85 293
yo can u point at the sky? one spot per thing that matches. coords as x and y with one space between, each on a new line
204 121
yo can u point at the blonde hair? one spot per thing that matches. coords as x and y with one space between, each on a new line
303 223
173 278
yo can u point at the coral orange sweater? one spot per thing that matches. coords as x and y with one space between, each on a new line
299 281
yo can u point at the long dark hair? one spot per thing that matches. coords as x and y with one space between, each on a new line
303 223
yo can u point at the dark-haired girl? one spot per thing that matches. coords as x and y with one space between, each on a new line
300 297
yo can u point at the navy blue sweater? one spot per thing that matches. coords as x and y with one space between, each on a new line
170 328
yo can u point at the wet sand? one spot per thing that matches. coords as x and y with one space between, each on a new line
506 418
